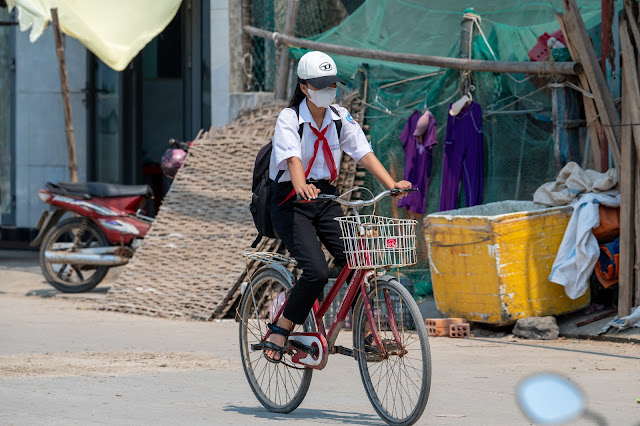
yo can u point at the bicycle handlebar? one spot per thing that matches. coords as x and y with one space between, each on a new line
358 204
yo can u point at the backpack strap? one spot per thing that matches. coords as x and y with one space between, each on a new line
278 176
338 123
296 108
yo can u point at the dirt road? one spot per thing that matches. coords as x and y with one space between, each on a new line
64 363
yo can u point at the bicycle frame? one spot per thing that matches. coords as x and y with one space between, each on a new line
357 283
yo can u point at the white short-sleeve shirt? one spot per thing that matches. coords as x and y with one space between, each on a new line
287 143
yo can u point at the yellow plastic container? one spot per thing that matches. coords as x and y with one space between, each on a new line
491 263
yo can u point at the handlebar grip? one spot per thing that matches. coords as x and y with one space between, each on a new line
321 197
396 191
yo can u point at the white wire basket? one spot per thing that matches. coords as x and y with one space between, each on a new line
378 242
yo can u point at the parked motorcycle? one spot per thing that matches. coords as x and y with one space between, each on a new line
106 228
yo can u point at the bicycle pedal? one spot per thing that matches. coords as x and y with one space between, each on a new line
257 346
344 351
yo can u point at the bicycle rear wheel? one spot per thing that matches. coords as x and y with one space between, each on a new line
397 384
279 387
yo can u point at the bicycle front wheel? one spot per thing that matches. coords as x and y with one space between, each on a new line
398 382
279 387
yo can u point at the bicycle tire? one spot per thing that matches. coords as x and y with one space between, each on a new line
53 277
411 329
268 393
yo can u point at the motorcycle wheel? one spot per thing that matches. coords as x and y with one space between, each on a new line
82 233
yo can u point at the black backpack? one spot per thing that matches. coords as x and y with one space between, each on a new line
262 186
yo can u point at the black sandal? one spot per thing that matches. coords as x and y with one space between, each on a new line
272 346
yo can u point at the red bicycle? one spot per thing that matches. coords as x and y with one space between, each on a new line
390 341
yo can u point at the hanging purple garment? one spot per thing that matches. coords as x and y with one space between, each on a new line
418 156
463 158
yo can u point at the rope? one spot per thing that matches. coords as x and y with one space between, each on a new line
574 87
406 80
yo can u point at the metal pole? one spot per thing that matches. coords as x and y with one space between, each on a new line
283 66
66 99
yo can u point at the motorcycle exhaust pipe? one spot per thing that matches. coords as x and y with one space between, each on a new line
85 259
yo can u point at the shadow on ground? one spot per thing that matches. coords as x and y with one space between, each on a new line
309 414
52 292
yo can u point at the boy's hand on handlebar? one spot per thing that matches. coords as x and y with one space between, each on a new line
403 184
308 191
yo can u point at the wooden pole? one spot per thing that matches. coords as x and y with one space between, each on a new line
627 194
283 67
636 265
631 97
542 68
566 133
591 113
246 44
66 99
631 8
579 37
606 20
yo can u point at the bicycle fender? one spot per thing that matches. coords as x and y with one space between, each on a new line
286 274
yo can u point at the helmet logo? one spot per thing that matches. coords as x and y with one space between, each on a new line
325 66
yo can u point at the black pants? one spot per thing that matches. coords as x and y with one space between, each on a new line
299 225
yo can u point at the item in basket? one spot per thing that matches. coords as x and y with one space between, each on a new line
370 230
373 255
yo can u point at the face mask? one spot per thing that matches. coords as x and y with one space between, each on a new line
324 97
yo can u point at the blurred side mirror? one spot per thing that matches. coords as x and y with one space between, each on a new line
549 398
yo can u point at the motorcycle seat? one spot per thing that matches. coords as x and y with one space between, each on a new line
100 190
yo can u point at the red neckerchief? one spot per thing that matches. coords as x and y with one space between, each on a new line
328 157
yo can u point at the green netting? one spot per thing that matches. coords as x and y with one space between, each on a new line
517 109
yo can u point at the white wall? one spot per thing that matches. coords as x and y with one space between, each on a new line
41 145
220 90
227 97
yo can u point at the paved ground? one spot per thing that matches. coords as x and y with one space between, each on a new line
62 362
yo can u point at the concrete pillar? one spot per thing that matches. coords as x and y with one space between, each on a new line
220 62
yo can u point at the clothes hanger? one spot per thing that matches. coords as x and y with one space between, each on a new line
423 121
459 105
425 106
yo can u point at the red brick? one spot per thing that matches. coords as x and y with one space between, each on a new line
459 330
437 331
443 322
